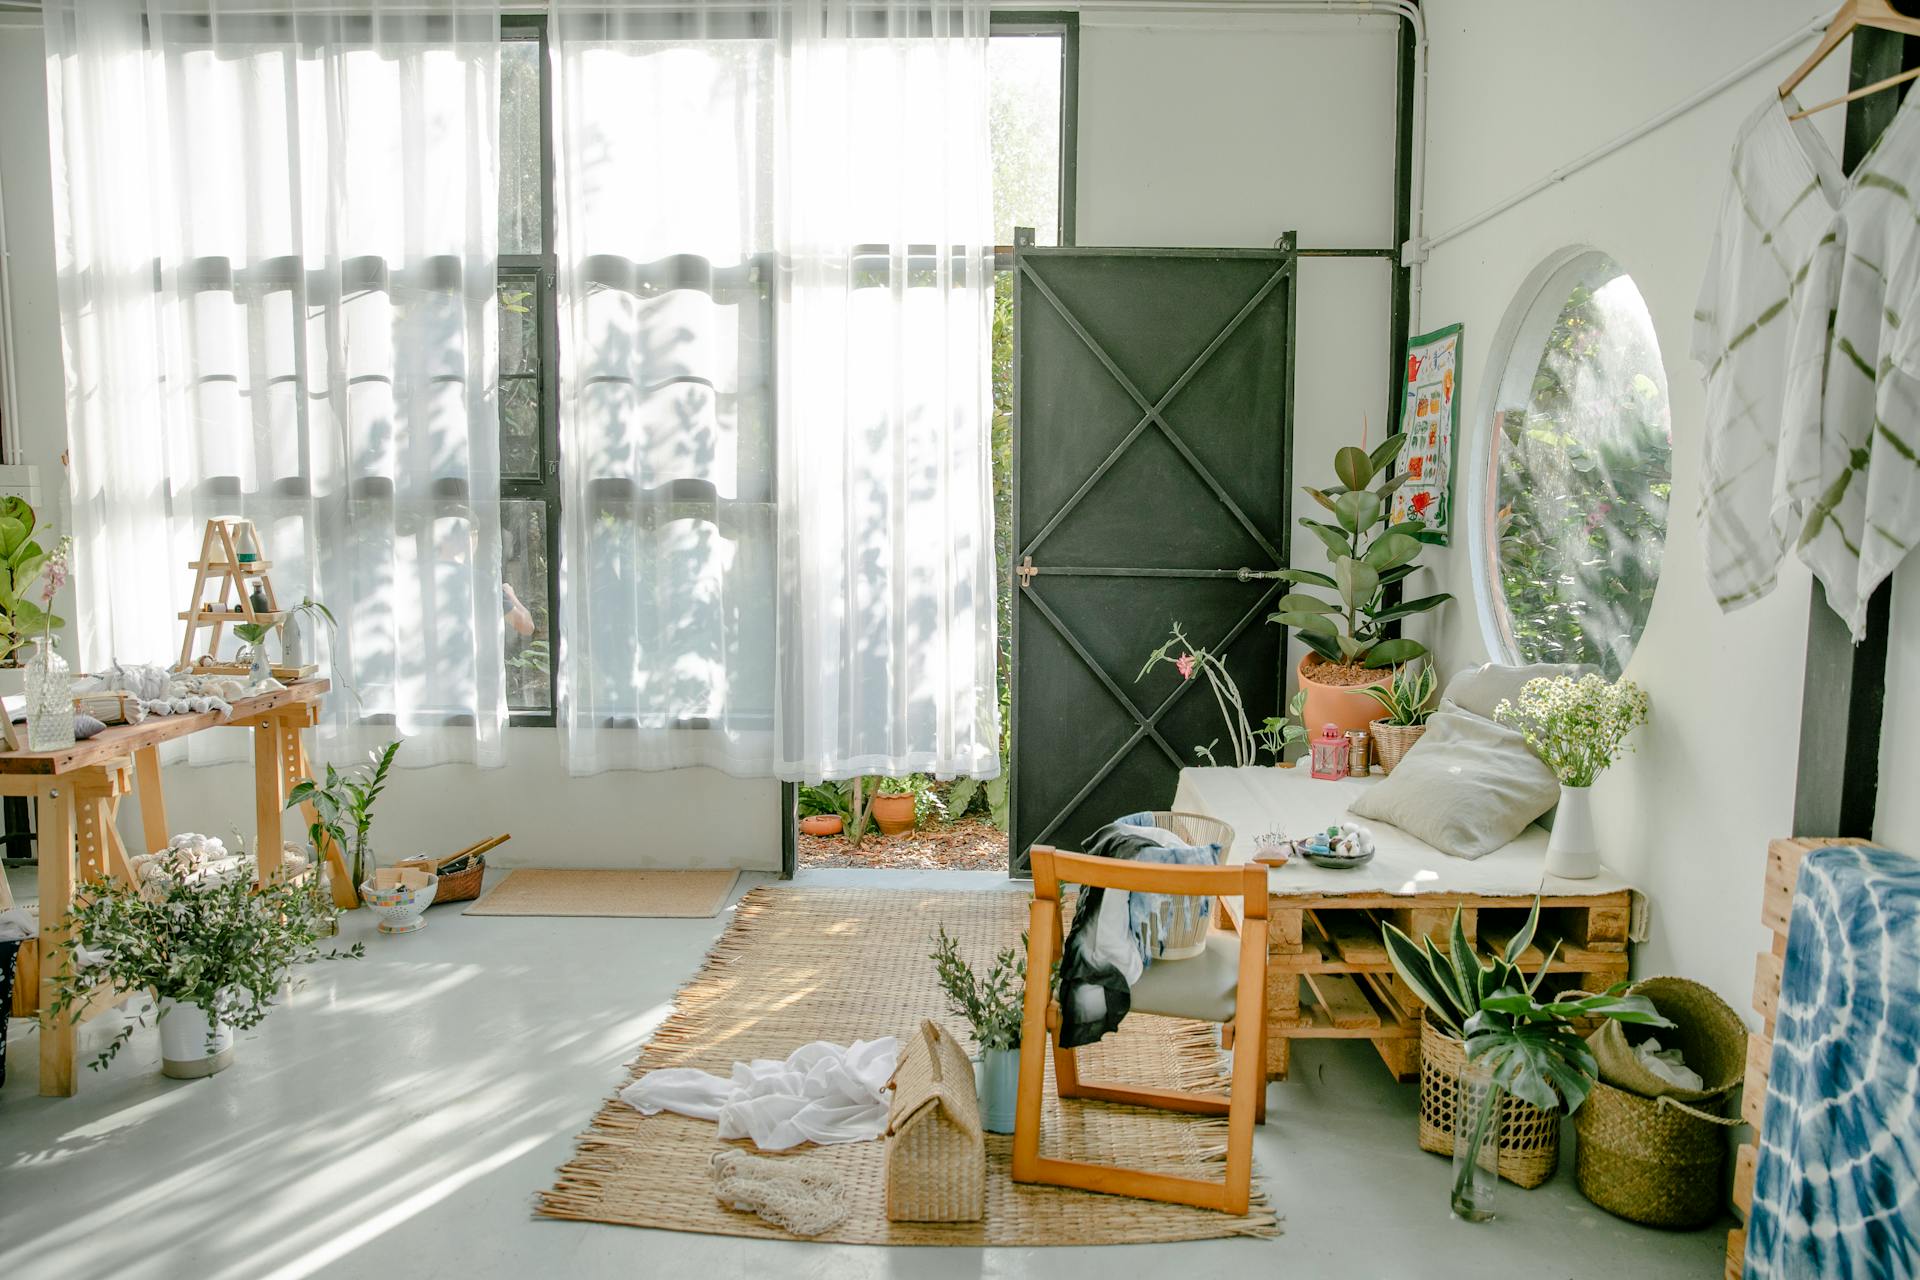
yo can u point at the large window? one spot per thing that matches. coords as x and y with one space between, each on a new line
1573 484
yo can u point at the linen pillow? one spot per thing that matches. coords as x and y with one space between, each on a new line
1467 787
1481 689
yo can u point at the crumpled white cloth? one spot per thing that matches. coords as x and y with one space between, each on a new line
822 1093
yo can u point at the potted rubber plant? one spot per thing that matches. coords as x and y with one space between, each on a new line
343 810
1405 711
1346 616
993 1007
211 948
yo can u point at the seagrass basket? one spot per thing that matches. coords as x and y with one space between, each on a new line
1180 933
1655 1161
1529 1143
936 1156
1391 741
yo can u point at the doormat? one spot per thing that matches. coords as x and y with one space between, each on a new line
545 891
798 965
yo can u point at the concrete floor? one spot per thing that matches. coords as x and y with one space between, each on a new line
399 1115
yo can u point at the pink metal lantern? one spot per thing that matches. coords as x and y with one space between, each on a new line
1330 752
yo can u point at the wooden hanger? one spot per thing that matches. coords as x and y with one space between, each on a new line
1853 15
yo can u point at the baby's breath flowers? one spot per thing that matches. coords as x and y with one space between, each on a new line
1577 727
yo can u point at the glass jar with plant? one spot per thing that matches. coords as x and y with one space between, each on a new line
1578 727
1536 1063
1348 635
343 809
211 948
49 682
993 1008
1404 702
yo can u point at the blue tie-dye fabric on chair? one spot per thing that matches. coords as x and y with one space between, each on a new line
1836 1191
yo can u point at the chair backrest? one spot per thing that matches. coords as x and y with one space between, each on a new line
1051 867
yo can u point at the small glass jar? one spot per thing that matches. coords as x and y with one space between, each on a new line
1358 764
49 698
1329 751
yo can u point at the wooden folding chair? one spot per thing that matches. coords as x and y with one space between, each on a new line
1227 986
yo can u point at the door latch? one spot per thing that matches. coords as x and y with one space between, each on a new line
1248 575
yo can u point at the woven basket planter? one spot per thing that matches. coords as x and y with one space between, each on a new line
1529 1137
1391 741
1650 1160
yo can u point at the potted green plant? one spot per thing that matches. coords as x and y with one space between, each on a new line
213 950
343 809
994 1008
1578 727
22 561
824 809
292 645
898 804
1404 703
1455 986
1347 634
1281 734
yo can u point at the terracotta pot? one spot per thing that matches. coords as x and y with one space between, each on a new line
893 813
820 824
1342 705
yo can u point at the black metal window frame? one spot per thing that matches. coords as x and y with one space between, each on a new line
1065 25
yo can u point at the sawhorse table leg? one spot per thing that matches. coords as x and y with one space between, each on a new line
57 1035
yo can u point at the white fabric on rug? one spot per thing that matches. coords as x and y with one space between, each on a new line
822 1093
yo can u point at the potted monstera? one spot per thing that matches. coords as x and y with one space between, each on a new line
1345 620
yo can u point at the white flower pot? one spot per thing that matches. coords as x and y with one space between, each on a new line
1574 851
186 1052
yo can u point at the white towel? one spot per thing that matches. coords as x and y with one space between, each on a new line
822 1093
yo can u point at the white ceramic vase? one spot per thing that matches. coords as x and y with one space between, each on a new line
1574 851
186 1050
997 1077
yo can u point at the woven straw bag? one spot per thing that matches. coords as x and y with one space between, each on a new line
1391 741
1529 1137
936 1152
1658 1160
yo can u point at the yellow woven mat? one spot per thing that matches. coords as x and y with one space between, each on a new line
545 891
799 965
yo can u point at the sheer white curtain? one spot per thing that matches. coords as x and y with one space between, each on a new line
776 290
277 251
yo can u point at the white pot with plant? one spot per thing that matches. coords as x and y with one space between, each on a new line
342 814
1404 700
211 948
1349 634
1578 727
993 1008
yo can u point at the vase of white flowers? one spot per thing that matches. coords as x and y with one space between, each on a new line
1578 727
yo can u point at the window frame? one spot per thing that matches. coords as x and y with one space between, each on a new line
1524 327
542 270
1066 25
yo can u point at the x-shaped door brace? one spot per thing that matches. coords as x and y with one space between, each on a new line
1145 723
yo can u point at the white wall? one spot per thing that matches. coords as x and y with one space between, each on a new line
1520 88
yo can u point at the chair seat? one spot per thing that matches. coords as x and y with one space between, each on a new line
1202 986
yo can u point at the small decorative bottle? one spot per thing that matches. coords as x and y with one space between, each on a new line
49 698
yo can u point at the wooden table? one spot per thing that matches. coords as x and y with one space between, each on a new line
79 789
1328 975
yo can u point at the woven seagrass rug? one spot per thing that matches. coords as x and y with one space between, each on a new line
548 891
798 965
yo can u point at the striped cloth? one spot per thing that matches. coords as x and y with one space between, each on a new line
1847 477
1836 1190
1772 218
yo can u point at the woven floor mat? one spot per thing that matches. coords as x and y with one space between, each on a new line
549 891
844 964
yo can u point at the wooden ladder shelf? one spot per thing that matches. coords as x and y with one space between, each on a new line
221 562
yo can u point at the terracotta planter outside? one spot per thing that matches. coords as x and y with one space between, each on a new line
893 813
1341 705
820 824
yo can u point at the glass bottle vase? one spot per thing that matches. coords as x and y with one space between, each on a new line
1478 1104
49 698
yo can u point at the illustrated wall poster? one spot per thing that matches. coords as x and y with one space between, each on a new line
1431 419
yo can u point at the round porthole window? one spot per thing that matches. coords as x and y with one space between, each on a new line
1575 469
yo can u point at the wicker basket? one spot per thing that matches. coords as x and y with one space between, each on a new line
457 886
1708 1033
1191 918
936 1154
1391 741
1529 1137
1654 1161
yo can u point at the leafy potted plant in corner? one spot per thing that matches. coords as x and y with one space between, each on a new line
1347 635
1404 701
1456 987
1578 727
211 948
993 1008
343 810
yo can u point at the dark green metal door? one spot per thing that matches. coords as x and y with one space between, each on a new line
1153 393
